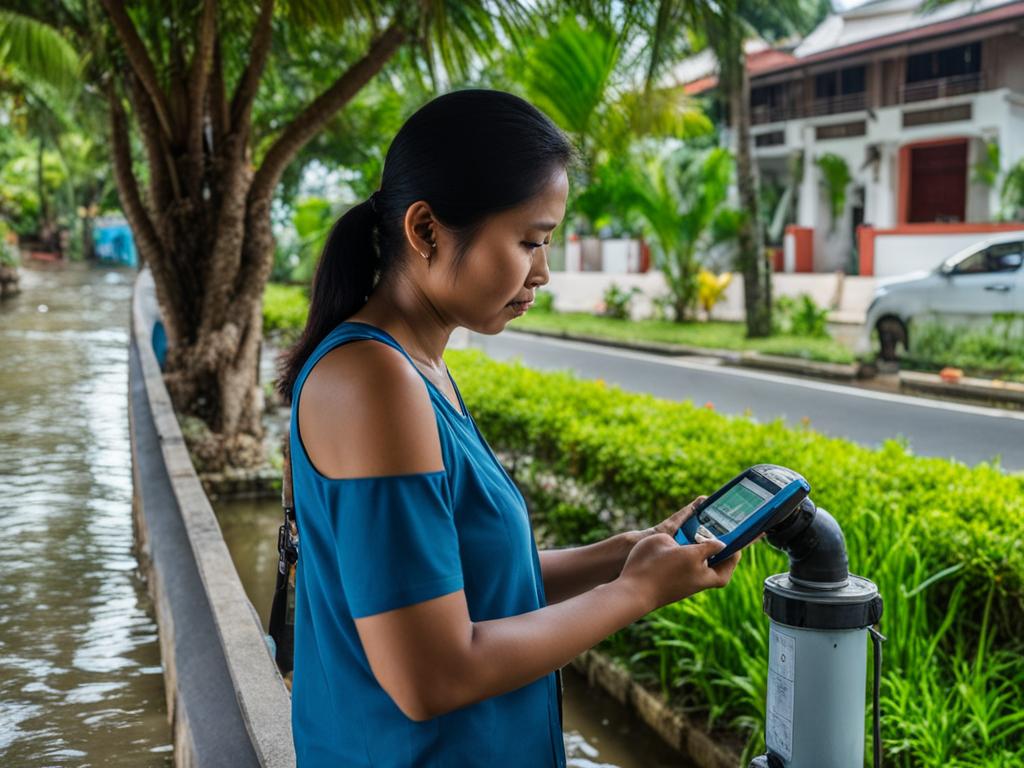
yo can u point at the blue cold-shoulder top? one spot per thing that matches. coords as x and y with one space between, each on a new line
373 544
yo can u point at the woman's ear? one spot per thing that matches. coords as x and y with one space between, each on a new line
420 226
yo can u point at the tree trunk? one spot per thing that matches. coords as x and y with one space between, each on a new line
204 228
752 261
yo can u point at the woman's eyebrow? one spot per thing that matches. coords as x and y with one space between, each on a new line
547 226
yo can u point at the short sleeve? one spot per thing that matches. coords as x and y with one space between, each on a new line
396 540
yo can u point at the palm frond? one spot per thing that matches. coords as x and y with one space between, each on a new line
37 50
567 73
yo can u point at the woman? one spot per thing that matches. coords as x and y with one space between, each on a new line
428 628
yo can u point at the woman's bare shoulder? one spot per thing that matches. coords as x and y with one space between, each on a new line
365 411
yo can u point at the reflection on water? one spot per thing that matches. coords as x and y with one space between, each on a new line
80 676
598 732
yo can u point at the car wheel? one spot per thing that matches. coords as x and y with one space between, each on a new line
891 332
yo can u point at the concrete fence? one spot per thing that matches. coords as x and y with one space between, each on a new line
847 296
225 697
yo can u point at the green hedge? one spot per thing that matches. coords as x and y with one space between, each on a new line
285 308
941 540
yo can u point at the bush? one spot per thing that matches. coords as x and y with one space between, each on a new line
941 540
799 317
543 301
285 308
9 256
617 302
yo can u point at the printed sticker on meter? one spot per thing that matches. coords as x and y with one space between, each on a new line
750 503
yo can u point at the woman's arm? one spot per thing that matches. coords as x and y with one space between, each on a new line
431 658
571 571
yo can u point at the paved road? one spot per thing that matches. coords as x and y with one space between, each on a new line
968 433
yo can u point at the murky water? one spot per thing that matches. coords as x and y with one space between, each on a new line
599 733
80 676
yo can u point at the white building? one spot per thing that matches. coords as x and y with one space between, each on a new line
910 101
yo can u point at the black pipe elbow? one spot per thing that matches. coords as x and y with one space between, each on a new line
815 545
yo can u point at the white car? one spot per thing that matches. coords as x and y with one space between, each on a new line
969 287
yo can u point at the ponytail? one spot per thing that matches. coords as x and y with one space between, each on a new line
342 283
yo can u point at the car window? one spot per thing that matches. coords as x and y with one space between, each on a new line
973 264
1002 257
1005 257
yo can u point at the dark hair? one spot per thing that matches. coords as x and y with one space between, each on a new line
469 154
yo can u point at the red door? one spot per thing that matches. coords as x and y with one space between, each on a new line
938 182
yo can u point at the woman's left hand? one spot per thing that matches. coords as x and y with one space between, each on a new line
670 524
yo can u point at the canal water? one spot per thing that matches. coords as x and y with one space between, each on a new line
599 733
80 676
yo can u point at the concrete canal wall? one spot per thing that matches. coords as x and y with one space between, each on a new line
227 702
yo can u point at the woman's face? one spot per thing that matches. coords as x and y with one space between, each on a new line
506 262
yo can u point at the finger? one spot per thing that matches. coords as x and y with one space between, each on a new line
689 510
710 547
673 523
724 570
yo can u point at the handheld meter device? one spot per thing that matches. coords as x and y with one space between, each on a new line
738 512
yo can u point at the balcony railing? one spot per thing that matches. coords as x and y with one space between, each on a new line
771 113
941 87
834 105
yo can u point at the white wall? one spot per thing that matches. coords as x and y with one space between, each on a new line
617 255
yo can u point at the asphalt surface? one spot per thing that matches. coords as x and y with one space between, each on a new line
967 433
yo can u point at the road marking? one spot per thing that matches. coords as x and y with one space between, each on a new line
821 386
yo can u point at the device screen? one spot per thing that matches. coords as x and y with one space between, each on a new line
733 507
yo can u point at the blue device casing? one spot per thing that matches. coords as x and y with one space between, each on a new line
784 500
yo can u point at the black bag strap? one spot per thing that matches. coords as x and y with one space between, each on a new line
281 626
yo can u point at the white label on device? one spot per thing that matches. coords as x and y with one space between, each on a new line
781 667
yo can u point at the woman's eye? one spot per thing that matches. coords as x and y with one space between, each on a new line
532 246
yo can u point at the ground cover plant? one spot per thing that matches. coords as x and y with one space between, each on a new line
994 349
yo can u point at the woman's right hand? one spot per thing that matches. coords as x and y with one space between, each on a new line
661 571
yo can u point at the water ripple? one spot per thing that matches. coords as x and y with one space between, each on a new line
80 676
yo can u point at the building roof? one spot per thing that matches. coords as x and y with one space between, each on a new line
869 26
883 23
762 59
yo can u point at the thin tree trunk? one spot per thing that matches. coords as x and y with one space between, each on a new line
752 261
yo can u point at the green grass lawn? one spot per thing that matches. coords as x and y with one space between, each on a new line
713 335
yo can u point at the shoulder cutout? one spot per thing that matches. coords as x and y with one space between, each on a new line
364 411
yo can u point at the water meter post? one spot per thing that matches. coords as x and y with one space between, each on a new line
819 614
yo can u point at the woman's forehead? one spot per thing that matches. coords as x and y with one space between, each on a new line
544 210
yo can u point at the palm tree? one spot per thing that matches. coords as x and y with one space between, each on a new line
677 27
187 76
38 70
583 75
680 198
